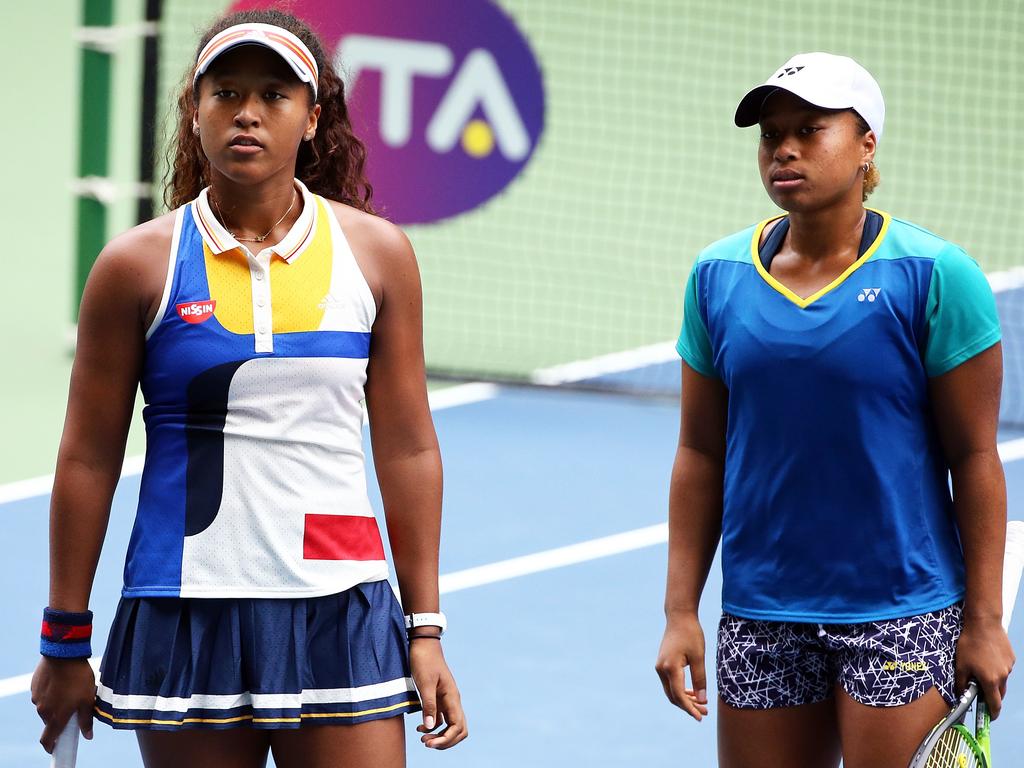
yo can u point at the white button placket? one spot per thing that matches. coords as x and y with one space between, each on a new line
262 314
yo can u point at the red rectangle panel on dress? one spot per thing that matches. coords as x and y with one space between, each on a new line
341 537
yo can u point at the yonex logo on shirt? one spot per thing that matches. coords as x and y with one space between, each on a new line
869 294
788 71
196 311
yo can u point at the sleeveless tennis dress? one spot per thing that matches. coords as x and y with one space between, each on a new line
255 586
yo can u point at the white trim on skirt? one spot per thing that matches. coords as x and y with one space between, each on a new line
121 701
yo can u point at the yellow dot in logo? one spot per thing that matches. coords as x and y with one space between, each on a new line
478 138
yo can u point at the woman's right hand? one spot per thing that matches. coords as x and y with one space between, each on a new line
442 704
62 688
683 646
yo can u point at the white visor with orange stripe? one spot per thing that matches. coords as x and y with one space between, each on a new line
279 40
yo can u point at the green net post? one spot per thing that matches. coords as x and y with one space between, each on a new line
94 111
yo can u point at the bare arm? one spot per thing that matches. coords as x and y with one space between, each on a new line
695 496
695 525
103 382
965 403
408 464
405 449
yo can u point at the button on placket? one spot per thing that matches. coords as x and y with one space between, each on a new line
262 313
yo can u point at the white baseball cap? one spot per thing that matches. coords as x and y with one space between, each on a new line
824 80
281 41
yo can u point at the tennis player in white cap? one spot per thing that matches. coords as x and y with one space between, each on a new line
838 365
256 614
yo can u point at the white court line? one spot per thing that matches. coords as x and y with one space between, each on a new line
1011 450
488 574
1006 280
41 486
616 362
462 394
12 686
553 558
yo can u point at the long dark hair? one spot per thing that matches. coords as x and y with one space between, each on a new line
332 164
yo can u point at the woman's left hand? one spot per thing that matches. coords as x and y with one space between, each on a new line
983 653
439 695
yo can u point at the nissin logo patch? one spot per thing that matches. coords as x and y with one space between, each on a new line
447 96
196 311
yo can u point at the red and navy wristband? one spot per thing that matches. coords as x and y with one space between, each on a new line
66 634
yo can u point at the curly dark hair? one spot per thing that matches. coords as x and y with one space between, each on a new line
331 165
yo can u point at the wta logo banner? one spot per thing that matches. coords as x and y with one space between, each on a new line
447 96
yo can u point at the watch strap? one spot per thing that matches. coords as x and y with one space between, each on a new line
414 620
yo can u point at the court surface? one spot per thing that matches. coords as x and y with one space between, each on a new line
553 563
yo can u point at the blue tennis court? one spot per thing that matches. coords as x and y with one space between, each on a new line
554 560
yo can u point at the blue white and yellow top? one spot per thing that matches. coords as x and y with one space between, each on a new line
254 482
837 505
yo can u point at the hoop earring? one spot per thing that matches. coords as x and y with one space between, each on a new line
866 167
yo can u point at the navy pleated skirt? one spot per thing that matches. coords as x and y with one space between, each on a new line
174 663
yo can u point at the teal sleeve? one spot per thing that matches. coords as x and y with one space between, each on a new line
961 312
694 345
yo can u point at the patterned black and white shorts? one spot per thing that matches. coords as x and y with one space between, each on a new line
768 664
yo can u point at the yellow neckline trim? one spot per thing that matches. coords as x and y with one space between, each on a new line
804 303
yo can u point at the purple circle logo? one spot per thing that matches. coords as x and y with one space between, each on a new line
446 95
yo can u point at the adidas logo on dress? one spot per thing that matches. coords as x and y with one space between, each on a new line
330 302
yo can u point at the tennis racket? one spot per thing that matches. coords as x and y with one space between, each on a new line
65 753
951 743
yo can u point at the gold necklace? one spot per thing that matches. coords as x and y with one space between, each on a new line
258 238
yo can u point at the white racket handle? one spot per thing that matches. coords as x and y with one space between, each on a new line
66 752
1013 564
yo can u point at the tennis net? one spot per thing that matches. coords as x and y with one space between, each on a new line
572 274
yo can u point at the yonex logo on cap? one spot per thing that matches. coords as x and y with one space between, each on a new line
196 311
868 294
830 82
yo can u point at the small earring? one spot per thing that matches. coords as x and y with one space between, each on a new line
866 167
309 136
195 130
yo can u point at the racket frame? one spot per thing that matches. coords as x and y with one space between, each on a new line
1013 566
955 720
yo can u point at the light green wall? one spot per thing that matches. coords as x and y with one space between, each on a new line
38 132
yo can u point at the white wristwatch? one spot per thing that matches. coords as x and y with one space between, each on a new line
413 620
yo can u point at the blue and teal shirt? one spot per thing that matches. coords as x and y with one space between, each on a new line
837 505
